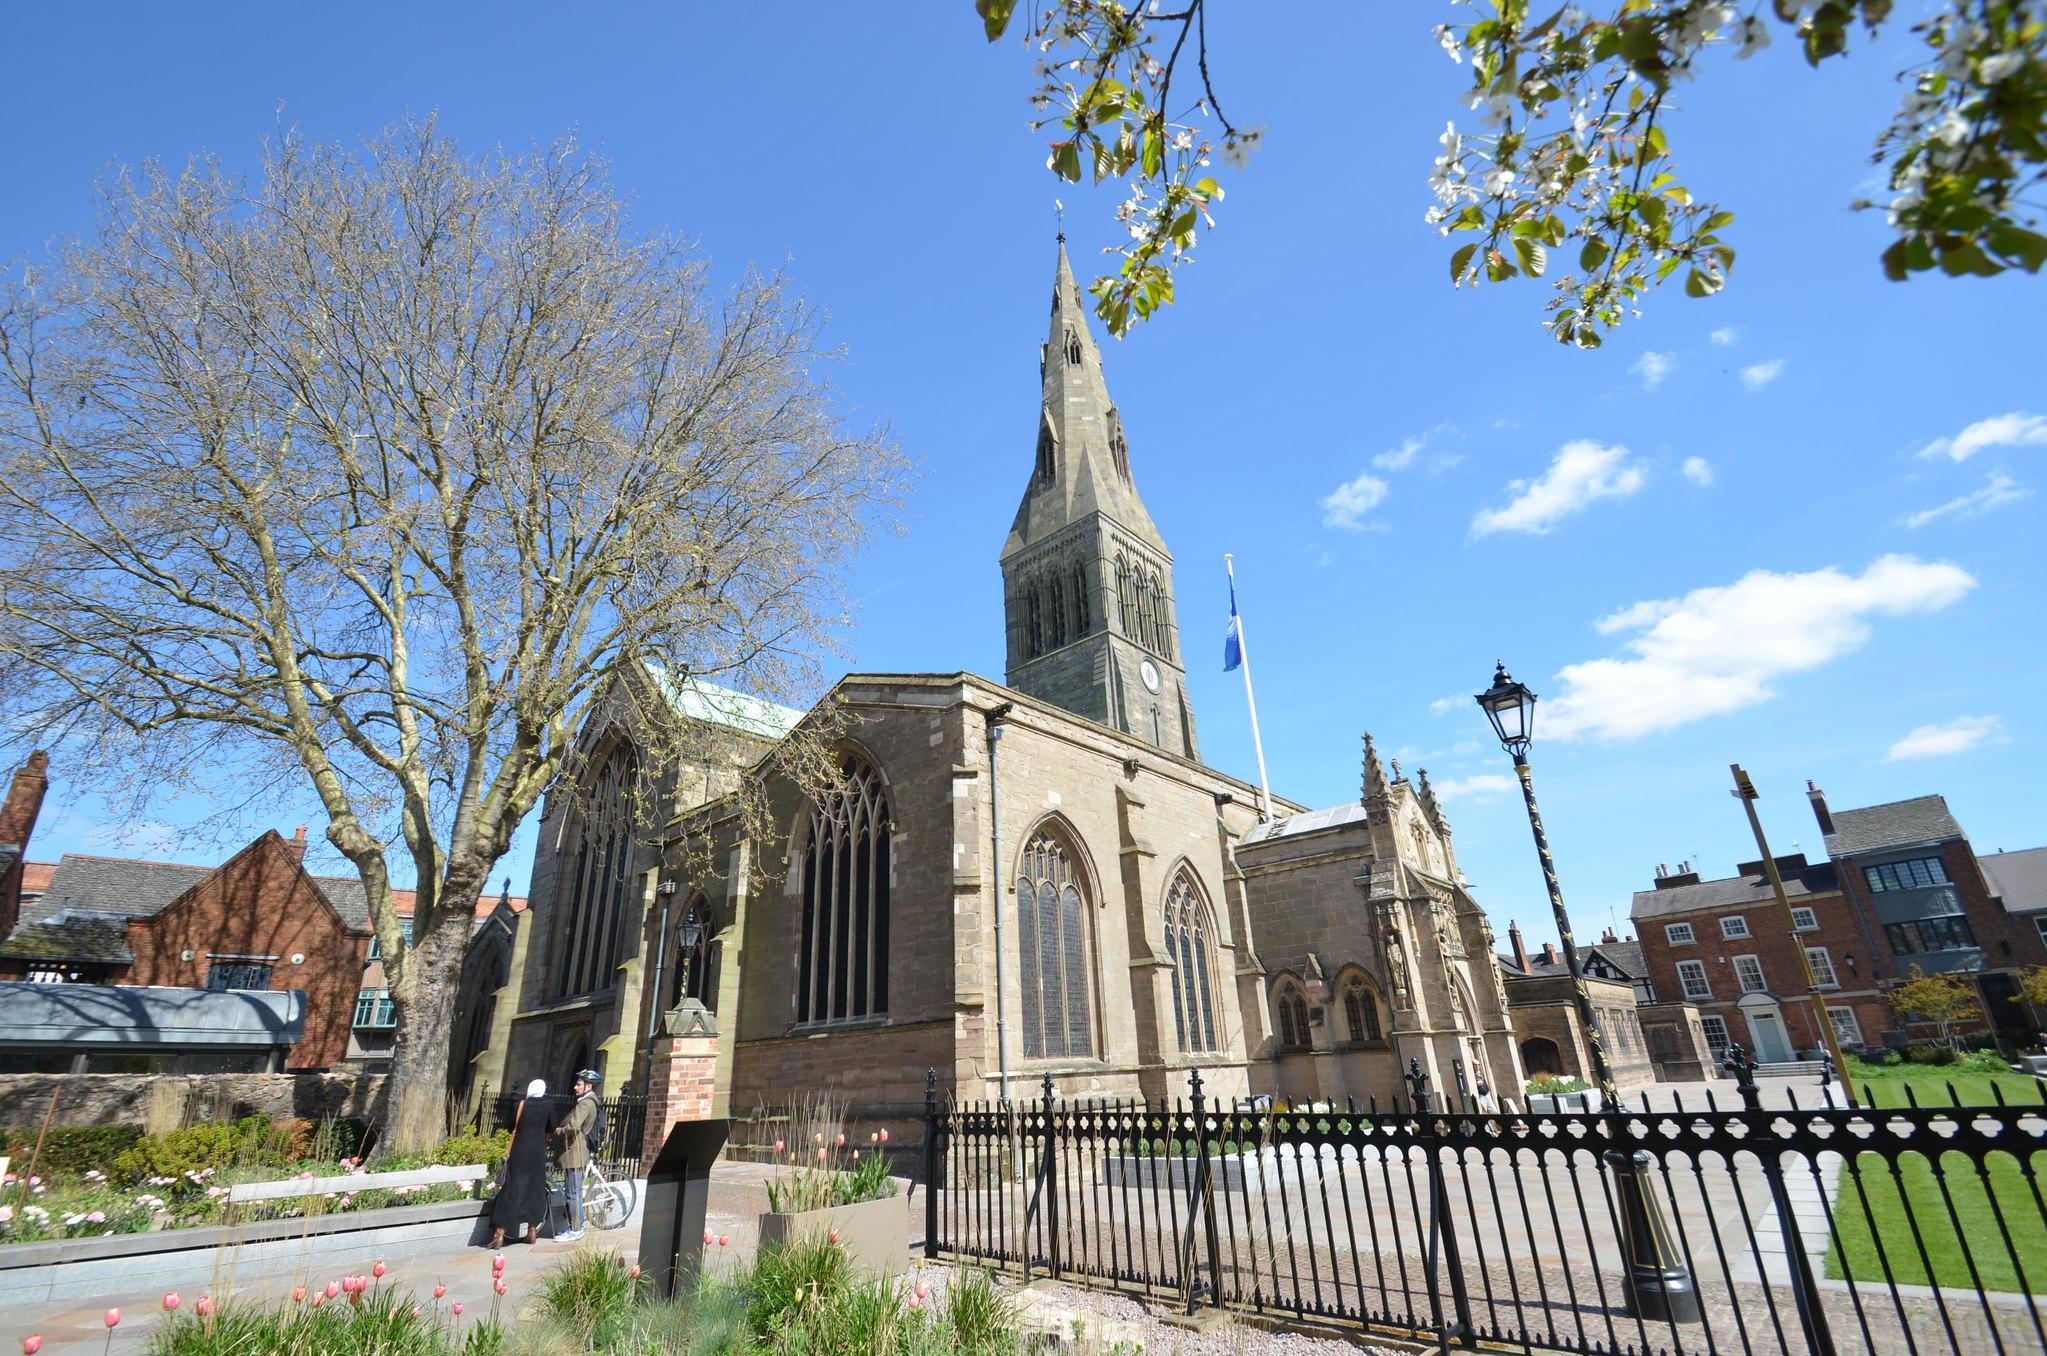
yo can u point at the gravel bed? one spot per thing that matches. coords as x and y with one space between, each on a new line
1113 1323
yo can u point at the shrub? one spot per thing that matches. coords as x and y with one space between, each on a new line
489 1150
1549 1085
69 1149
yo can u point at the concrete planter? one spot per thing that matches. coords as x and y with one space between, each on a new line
875 1233
1562 1103
1226 1172
34 1273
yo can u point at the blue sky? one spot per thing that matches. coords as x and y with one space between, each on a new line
1680 541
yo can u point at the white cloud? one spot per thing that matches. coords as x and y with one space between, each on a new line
1652 367
1401 457
1725 336
1957 736
1443 706
1480 786
1347 505
1998 490
1698 470
1583 472
1720 649
1762 374
146 837
2003 430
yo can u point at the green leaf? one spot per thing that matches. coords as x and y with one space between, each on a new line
1154 152
1894 261
1593 255
1461 260
1698 284
1651 210
2015 242
1968 257
994 16
1534 258
1066 161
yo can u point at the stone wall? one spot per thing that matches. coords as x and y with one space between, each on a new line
100 1099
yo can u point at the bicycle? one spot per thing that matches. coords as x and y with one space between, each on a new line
607 1201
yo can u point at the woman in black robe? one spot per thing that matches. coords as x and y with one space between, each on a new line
522 1187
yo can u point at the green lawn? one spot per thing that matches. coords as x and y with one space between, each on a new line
1930 1087
1895 1214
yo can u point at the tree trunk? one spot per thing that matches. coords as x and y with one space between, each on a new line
418 1112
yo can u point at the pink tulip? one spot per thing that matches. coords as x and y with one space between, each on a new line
723 1240
298 1294
884 1136
499 1285
709 1237
842 1139
923 1289
778 1146
439 1290
820 1155
204 1308
415 1311
914 1301
458 1308
874 1137
635 1272
497 1265
113 1318
31 1344
319 1298
333 1289
378 1270
171 1300
835 1235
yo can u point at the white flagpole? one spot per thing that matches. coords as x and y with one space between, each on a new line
1250 698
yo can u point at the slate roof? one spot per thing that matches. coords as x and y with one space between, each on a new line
1625 957
2020 878
1732 892
1311 821
73 935
1922 819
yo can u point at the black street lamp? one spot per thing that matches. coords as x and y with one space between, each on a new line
1658 1286
692 937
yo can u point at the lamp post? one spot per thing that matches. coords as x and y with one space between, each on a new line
692 938
1656 1284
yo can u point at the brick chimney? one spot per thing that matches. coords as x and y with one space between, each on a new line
17 823
1608 937
1667 879
1549 953
1819 807
1520 950
297 844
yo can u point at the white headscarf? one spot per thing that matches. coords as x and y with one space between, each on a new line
537 1088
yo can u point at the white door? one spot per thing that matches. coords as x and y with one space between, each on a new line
1768 1029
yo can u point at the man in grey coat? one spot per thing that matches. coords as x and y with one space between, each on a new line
575 1133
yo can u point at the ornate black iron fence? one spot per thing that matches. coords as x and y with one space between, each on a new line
625 1125
1707 1230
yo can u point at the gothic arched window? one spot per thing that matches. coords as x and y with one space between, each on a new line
1052 947
1161 615
1190 949
1126 596
1034 623
1047 453
842 961
1072 345
1360 1010
1119 450
1080 621
1292 1005
1057 611
1144 611
600 884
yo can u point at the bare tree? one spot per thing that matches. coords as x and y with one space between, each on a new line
378 469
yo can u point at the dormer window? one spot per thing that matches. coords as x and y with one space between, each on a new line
1119 450
1072 346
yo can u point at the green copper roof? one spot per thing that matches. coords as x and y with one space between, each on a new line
694 699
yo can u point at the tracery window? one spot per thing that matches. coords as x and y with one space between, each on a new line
1034 623
1126 596
1047 453
1292 1004
1080 620
1190 949
1058 611
1052 948
600 890
842 961
1072 346
1360 1010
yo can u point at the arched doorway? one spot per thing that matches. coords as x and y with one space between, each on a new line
1539 1056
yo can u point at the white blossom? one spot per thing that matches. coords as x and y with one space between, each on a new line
1449 42
2000 67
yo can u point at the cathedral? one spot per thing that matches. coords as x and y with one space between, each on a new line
1008 880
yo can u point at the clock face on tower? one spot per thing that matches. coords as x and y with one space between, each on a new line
1150 673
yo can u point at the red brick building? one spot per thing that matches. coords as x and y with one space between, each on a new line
1904 889
259 922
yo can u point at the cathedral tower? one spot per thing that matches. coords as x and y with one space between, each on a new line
1087 581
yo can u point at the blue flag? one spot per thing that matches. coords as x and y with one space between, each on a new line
1233 643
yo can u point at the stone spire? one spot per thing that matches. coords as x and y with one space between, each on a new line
1374 787
1082 465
